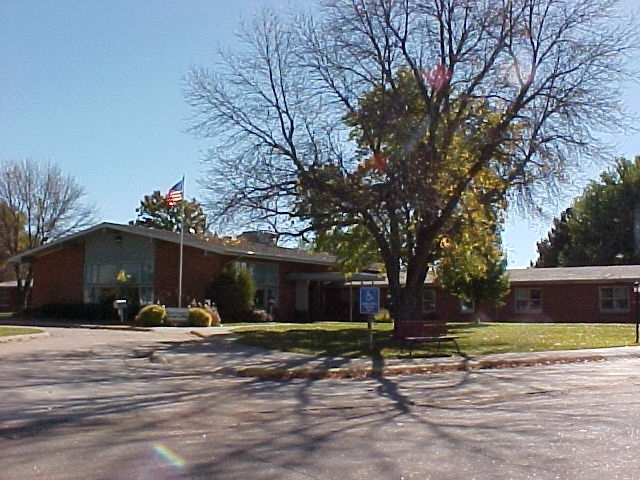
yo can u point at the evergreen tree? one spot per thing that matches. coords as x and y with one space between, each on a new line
552 250
154 212
233 291
602 227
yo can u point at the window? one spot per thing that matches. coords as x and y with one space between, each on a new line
101 273
100 294
528 300
132 270
146 295
5 299
614 299
429 301
100 283
467 307
266 278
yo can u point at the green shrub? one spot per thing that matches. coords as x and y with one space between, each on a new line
152 316
198 317
232 290
383 316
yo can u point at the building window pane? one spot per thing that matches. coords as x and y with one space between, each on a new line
429 301
90 295
100 273
614 299
147 272
107 273
5 299
528 300
146 295
90 274
266 279
101 281
467 307
132 270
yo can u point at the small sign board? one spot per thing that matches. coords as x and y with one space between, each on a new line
177 316
369 300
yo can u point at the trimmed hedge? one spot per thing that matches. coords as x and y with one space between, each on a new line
198 317
152 316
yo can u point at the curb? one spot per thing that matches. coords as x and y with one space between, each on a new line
283 373
489 362
23 337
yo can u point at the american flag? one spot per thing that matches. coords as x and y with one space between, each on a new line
174 195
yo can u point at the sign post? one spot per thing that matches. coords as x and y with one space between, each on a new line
369 305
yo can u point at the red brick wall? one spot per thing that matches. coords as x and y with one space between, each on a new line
9 299
198 269
566 303
286 305
58 277
561 303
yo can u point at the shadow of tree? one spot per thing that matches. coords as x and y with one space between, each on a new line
112 412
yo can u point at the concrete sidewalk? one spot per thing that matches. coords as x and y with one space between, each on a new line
349 368
233 358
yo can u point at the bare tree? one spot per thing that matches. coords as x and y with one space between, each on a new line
38 204
402 116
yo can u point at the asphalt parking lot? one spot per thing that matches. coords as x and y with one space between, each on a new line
114 404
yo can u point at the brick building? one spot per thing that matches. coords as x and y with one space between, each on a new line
83 267
305 286
9 298
594 294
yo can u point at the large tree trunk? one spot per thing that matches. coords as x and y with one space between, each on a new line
406 303
407 308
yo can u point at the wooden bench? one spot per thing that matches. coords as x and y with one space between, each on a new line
437 339
426 332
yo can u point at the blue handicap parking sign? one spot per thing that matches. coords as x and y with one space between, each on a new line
369 300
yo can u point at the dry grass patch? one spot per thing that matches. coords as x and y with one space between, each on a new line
10 331
536 337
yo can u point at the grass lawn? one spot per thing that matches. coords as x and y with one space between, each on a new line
348 339
8 331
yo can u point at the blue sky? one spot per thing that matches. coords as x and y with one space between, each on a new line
96 87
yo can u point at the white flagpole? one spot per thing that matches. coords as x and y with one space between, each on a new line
181 247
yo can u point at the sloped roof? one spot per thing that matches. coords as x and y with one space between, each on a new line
593 274
337 277
259 251
214 244
607 273
380 280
